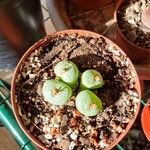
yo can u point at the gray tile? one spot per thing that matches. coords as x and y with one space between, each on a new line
6 141
43 2
45 14
49 26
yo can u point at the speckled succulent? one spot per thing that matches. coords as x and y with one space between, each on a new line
88 103
91 79
67 71
58 93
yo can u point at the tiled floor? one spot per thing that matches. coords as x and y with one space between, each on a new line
6 141
97 20
48 24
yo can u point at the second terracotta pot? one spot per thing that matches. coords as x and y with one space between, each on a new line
136 53
145 119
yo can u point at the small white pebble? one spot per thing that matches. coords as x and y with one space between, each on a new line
102 144
29 114
31 59
89 128
51 125
56 125
72 145
24 74
33 65
46 129
31 76
137 100
69 131
28 72
35 59
53 107
48 136
119 129
57 119
39 64
74 136
58 139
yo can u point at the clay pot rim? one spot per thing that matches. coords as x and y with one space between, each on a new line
142 71
119 5
44 41
142 120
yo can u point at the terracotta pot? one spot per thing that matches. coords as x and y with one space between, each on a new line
143 71
142 87
135 53
43 42
145 119
91 4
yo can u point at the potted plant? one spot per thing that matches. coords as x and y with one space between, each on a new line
133 29
145 119
56 104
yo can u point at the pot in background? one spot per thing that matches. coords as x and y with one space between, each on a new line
21 23
45 41
91 4
145 119
136 54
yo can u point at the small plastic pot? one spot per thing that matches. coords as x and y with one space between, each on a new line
45 41
135 53
145 119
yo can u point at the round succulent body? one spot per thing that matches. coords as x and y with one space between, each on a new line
146 17
56 92
91 79
88 103
67 71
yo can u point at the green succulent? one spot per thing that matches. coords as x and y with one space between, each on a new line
88 103
56 92
91 79
67 71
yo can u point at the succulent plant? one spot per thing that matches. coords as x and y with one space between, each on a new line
146 17
56 92
67 71
88 103
91 79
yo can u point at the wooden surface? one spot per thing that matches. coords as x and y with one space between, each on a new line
6 141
